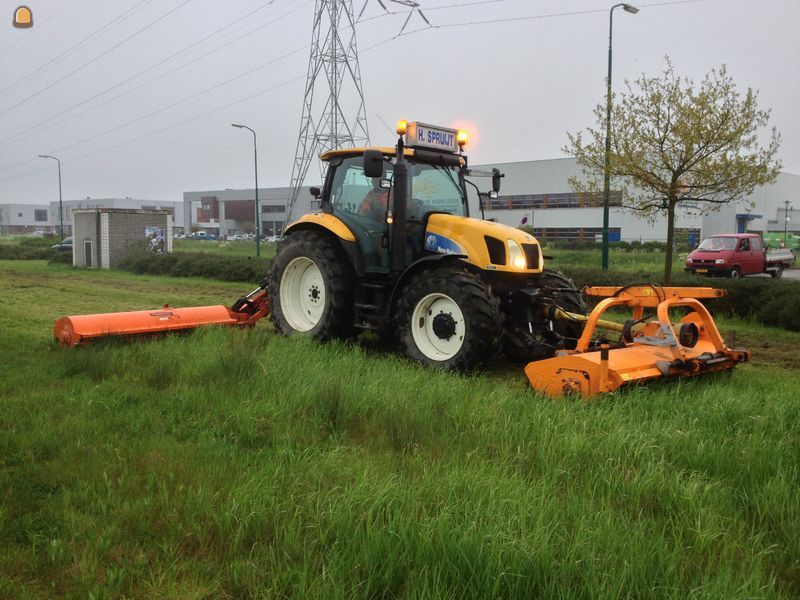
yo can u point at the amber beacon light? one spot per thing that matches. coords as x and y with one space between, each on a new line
23 17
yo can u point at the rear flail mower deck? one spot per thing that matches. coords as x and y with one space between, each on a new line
647 349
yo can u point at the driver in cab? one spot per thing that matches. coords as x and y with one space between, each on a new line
376 202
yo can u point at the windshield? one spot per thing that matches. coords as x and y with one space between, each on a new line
431 188
718 243
434 188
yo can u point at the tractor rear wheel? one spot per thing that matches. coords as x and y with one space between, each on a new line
520 345
447 318
310 288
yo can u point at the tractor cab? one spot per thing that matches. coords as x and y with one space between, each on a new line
363 190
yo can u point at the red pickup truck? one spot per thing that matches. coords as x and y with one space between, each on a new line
736 255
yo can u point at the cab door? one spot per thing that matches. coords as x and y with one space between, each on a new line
362 204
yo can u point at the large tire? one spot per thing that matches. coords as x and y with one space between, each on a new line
448 319
311 287
736 273
777 273
522 346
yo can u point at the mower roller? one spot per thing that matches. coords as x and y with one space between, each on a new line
648 349
84 329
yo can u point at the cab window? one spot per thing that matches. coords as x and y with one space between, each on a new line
744 245
756 244
434 189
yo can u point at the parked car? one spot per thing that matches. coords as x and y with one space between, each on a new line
736 255
65 244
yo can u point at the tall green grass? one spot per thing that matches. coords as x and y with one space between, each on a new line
236 464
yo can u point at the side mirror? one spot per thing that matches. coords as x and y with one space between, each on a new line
315 192
373 163
496 176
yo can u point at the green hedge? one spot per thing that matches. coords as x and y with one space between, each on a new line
770 302
199 264
29 248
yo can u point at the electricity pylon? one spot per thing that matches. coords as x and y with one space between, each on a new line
333 74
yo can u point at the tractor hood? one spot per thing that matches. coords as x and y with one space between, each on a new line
485 244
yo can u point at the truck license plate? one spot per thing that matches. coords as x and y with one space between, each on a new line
702 270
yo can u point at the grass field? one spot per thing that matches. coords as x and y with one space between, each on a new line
236 464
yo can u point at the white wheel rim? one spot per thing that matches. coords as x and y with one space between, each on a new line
422 320
302 294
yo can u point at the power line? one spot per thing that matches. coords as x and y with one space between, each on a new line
163 108
164 129
182 100
516 19
262 92
99 56
39 128
77 46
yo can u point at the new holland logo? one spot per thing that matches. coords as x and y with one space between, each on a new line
438 243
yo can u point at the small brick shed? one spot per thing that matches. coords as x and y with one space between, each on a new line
102 237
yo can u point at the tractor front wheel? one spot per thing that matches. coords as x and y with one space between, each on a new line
447 318
310 287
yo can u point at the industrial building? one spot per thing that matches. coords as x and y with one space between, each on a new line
18 218
229 212
538 194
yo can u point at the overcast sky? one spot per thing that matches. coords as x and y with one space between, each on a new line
136 97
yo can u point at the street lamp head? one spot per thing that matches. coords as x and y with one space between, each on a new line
630 8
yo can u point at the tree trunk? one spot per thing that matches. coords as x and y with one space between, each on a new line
670 238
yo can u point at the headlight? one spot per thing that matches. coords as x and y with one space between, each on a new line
516 255
689 260
720 261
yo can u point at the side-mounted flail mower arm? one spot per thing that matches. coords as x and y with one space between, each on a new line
84 329
647 349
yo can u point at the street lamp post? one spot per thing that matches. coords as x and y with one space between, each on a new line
606 174
258 209
60 201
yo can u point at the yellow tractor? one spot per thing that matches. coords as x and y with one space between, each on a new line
393 250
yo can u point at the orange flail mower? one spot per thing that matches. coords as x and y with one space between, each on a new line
647 349
84 329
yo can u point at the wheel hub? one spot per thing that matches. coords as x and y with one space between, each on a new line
444 326
438 326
